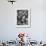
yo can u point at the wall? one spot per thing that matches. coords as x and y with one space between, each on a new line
8 29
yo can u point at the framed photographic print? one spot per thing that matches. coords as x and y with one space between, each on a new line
23 18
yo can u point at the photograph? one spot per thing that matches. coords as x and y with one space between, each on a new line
23 18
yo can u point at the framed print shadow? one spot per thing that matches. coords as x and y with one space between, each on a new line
23 18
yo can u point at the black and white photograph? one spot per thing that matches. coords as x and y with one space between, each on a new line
23 18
